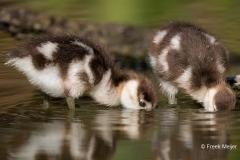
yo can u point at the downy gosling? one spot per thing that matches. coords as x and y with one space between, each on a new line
185 56
63 65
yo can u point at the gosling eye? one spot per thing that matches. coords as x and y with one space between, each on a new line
142 104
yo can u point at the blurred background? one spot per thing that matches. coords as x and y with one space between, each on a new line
219 17
97 132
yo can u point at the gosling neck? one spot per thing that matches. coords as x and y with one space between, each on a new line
209 100
129 94
105 92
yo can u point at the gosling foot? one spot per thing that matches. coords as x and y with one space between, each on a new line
172 100
70 102
46 101
71 114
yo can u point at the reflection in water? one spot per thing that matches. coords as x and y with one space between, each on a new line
94 138
66 140
182 134
96 133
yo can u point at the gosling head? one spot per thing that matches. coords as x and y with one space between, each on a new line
220 97
138 93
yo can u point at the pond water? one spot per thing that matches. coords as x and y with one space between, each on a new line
28 131
183 131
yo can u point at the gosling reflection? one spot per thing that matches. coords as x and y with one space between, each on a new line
52 138
89 139
181 135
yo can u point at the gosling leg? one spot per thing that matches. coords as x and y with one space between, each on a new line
70 102
46 101
172 99
169 89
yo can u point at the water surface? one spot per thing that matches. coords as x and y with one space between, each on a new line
28 131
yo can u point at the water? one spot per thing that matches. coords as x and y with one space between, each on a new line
29 131
183 131
96 132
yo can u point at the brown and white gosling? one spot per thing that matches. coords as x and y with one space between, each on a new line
68 66
187 57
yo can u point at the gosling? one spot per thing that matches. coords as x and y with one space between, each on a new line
63 65
185 56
